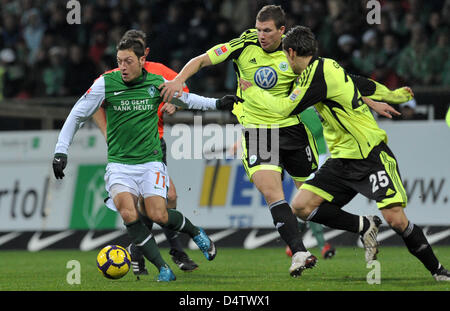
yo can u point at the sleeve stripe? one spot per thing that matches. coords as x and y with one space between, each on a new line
302 77
236 43
305 76
236 40
316 90
252 37
248 37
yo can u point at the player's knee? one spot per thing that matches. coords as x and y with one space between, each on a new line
128 215
397 221
159 216
398 225
300 208
304 203
301 212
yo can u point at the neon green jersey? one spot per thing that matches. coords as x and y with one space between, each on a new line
350 129
268 70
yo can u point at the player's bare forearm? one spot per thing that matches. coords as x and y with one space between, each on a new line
382 109
193 66
100 120
170 88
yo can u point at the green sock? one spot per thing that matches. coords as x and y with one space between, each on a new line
147 221
177 222
317 231
144 240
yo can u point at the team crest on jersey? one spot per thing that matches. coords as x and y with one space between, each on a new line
151 91
283 66
221 50
266 77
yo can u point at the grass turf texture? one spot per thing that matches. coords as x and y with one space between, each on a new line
263 269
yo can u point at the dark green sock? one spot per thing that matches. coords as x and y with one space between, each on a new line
178 222
147 221
317 231
173 239
144 240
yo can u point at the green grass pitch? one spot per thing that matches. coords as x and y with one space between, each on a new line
234 269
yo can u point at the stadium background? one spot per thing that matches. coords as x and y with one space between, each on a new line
46 64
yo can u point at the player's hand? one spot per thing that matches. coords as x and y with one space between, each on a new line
409 90
59 164
227 102
401 95
169 108
244 84
171 89
382 109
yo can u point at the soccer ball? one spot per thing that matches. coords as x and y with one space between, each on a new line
113 261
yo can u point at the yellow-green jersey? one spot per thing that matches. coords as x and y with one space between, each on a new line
350 129
268 70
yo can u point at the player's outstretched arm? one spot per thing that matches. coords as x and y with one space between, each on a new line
397 96
379 92
175 87
198 102
279 105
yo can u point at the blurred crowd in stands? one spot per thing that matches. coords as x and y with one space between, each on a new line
41 55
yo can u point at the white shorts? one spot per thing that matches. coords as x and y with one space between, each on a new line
147 179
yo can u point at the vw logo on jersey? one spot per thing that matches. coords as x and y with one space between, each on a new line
266 77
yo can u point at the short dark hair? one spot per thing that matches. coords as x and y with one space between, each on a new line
302 40
272 12
136 45
135 34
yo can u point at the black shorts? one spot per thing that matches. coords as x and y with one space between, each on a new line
292 148
377 177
